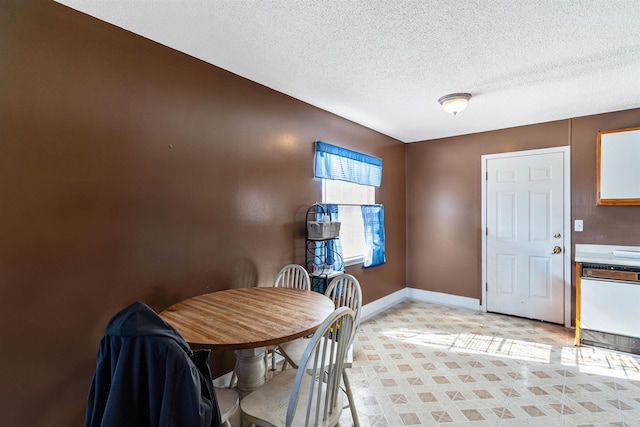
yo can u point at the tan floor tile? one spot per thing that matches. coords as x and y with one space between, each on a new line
425 364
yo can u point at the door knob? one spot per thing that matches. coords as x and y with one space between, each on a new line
556 250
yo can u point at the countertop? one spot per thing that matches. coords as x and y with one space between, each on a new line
603 254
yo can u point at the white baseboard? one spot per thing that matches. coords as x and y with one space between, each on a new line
445 299
382 304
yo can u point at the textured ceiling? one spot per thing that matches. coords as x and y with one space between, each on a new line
385 63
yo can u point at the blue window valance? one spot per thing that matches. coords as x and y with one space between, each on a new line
334 162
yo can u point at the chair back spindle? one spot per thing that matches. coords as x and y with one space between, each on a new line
293 276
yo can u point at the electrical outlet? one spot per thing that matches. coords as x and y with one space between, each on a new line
577 225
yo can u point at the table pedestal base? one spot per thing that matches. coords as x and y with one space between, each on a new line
250 369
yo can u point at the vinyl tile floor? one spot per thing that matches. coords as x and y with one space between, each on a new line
422 364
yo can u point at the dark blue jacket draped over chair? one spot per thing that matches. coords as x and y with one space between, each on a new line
147 375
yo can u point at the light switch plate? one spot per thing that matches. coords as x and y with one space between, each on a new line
577 225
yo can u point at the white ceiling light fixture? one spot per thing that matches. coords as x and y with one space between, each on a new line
454 102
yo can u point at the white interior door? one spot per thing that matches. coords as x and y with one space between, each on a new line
525 236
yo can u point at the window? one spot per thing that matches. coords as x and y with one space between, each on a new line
338 167
349 196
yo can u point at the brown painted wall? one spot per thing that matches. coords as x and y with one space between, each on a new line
129 171
443 204
444 200
605 225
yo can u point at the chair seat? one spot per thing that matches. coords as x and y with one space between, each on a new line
269 403
292 351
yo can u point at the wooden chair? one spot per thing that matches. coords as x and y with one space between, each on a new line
310 395
290 276
344 290
229 404
293 276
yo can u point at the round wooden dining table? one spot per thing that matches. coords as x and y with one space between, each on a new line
247 320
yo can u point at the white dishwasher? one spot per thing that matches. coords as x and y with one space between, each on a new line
610 306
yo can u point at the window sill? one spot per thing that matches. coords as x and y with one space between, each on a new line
353 261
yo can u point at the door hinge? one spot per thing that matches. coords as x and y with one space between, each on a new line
486 231
486 287
486 176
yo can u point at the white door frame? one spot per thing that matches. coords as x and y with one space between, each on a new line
566 251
